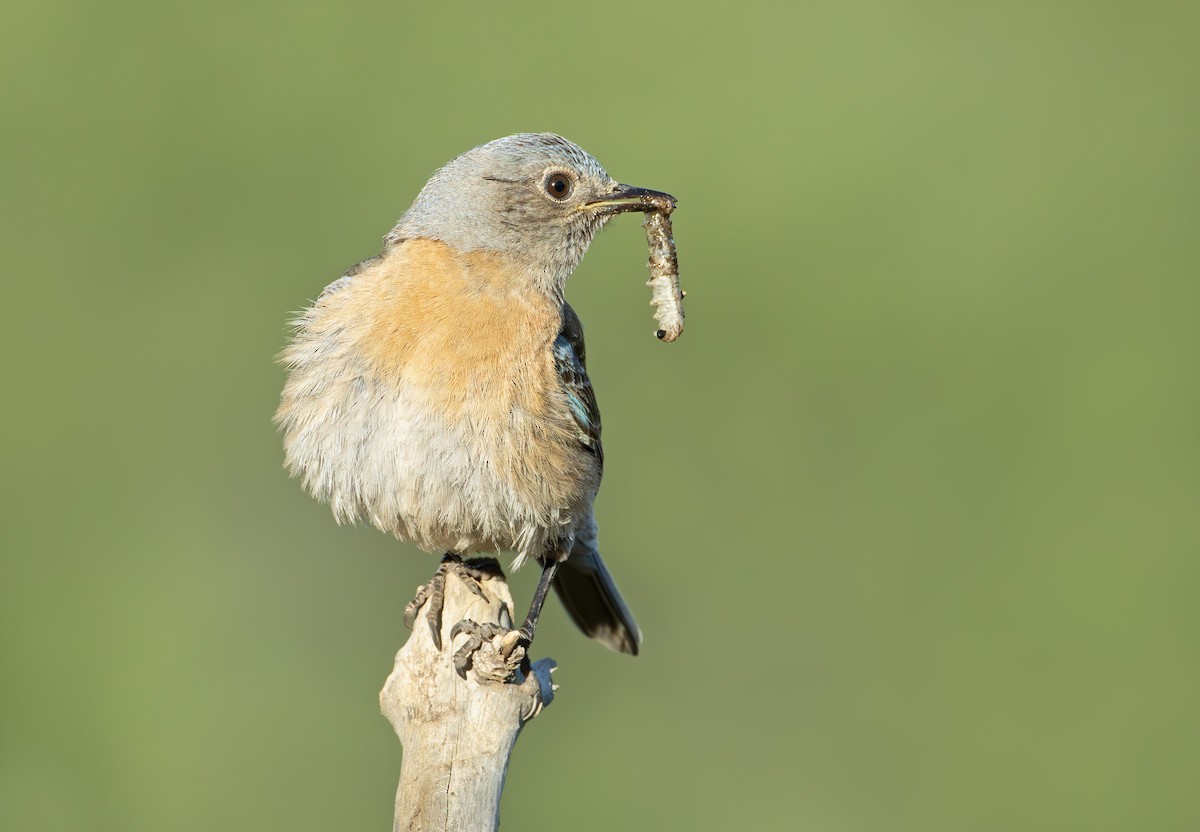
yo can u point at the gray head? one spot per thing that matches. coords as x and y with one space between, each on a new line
535 197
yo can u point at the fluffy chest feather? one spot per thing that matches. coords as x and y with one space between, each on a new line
424 395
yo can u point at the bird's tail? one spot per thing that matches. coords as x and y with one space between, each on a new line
593 600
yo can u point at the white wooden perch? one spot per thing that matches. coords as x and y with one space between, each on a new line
458 733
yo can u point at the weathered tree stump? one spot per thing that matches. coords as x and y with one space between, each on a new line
458 733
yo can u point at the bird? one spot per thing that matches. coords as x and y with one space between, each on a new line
439 390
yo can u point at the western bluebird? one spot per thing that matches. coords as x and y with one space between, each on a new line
439 389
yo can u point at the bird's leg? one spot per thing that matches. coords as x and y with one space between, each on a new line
549 567
510 657
435 592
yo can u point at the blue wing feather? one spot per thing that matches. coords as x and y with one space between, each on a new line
570 359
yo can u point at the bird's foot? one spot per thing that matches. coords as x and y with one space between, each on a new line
434 592
493 651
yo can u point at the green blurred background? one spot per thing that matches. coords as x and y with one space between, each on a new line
909 514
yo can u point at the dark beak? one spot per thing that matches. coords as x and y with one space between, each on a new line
624 198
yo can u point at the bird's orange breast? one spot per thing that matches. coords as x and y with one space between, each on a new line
470 330
424 396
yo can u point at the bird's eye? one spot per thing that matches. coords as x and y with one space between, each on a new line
559 185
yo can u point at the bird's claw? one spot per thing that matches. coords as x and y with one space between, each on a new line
434 593
494 652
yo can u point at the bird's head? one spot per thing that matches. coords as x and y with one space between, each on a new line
536 198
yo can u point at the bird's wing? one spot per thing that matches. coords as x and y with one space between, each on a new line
570 358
